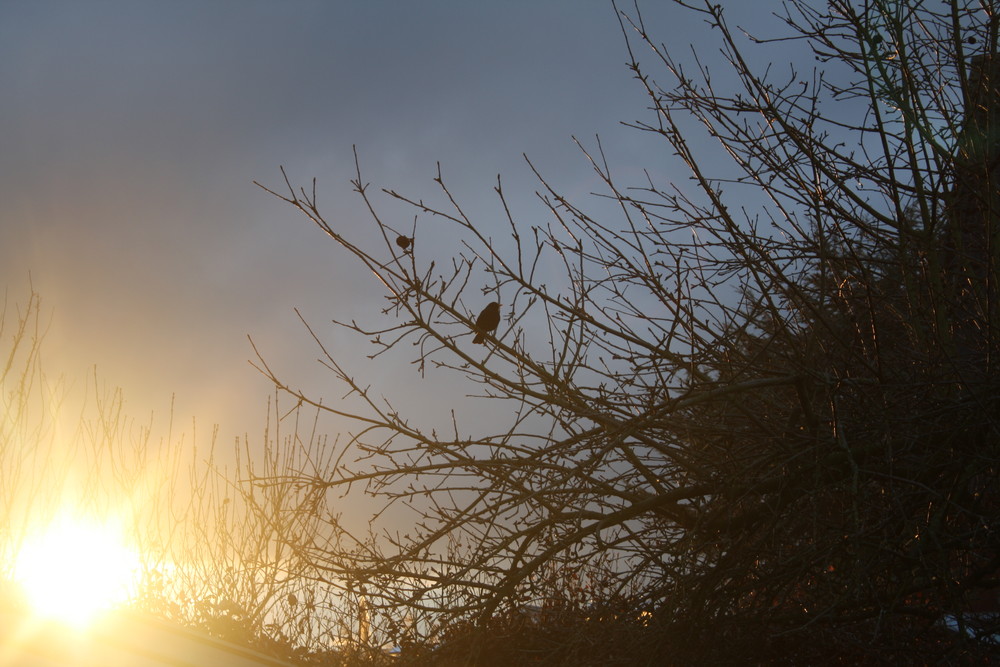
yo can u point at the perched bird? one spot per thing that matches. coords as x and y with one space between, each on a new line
404 242
487 322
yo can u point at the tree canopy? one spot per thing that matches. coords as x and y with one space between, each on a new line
754 412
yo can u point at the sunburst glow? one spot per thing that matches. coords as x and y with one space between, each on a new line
75 568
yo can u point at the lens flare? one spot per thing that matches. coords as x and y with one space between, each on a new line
75 568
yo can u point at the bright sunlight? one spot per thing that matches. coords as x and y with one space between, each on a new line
75 568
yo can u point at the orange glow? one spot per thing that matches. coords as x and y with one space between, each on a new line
75 568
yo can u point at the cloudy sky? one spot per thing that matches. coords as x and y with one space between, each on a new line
131 132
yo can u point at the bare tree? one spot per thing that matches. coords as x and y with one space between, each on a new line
760 404
214 548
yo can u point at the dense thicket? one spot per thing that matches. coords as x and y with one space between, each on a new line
762 418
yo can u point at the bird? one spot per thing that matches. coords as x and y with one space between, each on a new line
404 242
487 322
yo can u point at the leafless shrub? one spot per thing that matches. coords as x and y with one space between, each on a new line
763 400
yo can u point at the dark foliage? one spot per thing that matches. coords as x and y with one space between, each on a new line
776 432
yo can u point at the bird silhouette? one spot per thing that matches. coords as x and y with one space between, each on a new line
487 322
404 242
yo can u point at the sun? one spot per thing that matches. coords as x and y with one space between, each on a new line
75 568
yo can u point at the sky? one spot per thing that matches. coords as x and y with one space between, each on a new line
131 133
